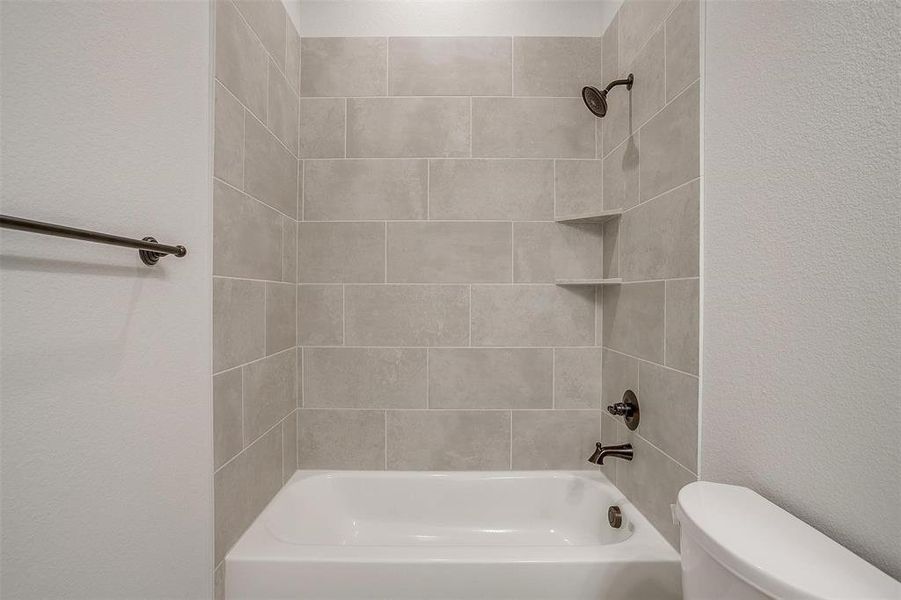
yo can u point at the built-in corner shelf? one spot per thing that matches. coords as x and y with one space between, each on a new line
595 217
609 281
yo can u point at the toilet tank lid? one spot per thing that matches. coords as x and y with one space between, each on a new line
773 550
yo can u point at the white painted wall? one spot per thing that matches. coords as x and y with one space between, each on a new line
106 409
802 320
336 18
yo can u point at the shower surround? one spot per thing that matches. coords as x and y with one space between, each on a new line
385 253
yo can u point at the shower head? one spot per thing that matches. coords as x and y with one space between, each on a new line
596 100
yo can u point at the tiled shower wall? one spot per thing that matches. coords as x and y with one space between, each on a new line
255 194
432 334
650 323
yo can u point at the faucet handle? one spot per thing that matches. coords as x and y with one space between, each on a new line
628 409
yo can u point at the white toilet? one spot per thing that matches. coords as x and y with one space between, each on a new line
737 545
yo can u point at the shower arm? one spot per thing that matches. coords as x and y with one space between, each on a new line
626 82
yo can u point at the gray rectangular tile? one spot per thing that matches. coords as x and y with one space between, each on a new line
243 487
618 123
670 145
289 250
322 127
240 59
365 377
611 248
633 319
449 66
652 481
578 187
239 322
669 411
554 439
408 127
532 128
682 324
340 252
555 66
661 238
544 252
281 316
610 54
344 190
448 440
228 438
516 190
637 23
268 392
648 93
343 66
621 175
407 315
683 40
289 446
491 377
341 439
449 252
292 59
320 315
228 142
532 315
282 115
270 171
577 378
247 236
267 19
620 373
219 583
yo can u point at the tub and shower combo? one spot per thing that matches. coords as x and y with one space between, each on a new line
364 534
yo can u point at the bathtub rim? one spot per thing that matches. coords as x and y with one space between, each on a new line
645 544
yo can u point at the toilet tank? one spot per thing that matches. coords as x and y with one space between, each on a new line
736 544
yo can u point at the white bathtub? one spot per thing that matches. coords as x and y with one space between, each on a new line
538 534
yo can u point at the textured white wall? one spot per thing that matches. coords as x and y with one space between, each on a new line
106 416
802 352
331 18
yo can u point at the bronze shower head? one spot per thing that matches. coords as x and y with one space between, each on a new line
596 100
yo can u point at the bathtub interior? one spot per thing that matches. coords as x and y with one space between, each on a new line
446 509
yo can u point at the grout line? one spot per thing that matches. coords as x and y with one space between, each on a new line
243 192
433 96
545 409
653 198
256 360
650 362
247 447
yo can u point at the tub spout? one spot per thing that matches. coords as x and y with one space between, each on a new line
623 451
